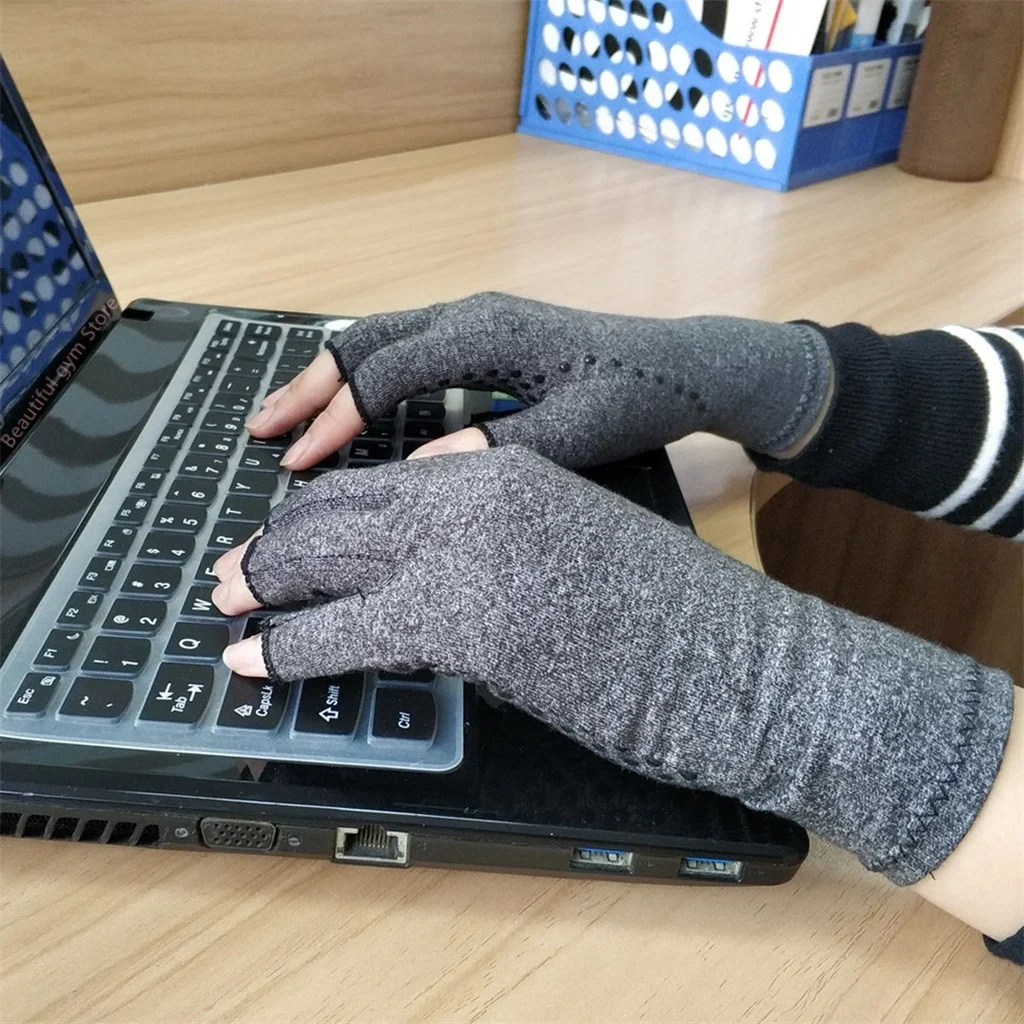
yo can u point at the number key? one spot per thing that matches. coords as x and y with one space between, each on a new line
223 422
239 404
117 656
151 580
192 490
161 546
207 467
186 518
127 615
214 444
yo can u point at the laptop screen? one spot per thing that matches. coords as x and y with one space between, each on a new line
54 297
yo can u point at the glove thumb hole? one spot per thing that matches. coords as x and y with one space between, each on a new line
470 439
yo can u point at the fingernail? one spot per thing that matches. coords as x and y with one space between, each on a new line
261 419
295 452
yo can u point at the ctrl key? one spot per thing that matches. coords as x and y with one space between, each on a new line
404 713
252 704
92 697
34 694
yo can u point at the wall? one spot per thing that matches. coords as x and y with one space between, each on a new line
148 95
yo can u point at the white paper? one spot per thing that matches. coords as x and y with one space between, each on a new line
786 26
868 87
826 94
902 81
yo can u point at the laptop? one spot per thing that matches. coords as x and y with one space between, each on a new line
126 472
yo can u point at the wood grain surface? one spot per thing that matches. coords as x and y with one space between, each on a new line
103 934
151 95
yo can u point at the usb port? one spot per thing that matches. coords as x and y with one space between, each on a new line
372 844
595 858
711 868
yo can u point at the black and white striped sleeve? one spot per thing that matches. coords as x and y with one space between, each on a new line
931 421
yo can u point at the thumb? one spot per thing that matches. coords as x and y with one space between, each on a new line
471 439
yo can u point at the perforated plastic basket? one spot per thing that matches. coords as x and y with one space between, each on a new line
648 80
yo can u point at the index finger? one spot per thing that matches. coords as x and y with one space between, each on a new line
308 393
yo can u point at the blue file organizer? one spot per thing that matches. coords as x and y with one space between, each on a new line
647 80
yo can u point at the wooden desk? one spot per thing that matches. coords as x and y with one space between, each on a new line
95 933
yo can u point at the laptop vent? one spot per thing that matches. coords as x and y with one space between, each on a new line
79 830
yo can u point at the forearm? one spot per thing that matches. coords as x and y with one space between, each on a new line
982 881
930 421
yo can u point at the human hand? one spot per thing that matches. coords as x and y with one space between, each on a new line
598 387
630 635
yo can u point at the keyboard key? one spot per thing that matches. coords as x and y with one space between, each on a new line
291 364
332 461
180 693
260 460
424 411
269 331
192 490
280 378
98 698
130 616
222 402
302 349
256 350
369 449
425 430
416 675
243 509
330 705
204 571
148 482
253 626
228 328
80 610
223 423
198 641
117 656
151 580
173 434
195 393
404 713
161 546
244 368
117 540
34 694
219 345
278 444
212 357
187 518
252 703
204 376
207 467
160 458
134 510
379 430
296 481
408 447
59 649
246 482
313 334
365 463
227 534
99 573
239 386
185 414
214 444
199 604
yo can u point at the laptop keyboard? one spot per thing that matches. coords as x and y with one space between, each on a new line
125 648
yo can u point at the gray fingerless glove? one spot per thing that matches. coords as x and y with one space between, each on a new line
638 640
599 387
